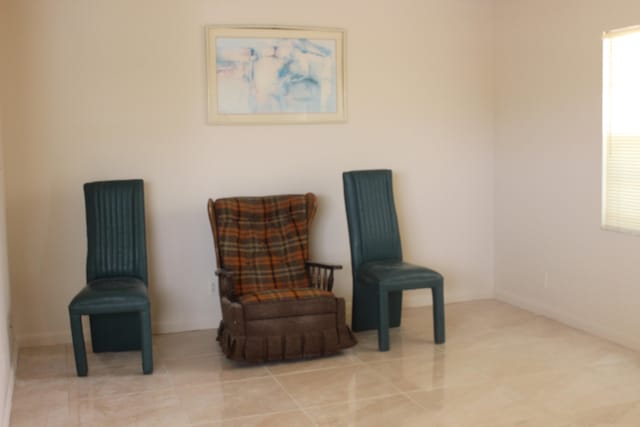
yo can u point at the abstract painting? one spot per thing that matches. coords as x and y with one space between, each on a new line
275 75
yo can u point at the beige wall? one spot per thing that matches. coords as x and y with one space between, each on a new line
548 168
117 89
6 351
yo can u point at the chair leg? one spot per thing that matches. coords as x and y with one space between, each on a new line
383 320
438 313
79 351
147 347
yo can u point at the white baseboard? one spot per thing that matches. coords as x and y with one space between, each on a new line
182 326
586 325
49 338
11 380
420 299
64 337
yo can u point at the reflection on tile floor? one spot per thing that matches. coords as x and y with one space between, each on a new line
501 366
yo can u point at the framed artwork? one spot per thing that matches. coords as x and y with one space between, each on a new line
275 75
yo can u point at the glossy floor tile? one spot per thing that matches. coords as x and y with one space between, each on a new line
501 367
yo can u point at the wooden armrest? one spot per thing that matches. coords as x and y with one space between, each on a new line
225 283
221 272
321 275
324 265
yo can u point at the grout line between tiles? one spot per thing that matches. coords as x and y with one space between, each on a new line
308 370
363 399
306 414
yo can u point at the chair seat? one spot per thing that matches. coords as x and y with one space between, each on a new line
398 274
111 295
287 302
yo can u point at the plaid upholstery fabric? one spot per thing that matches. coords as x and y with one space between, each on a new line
264 241
284 295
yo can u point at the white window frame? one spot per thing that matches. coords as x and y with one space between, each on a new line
621 131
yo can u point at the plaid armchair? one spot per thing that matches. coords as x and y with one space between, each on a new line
276 304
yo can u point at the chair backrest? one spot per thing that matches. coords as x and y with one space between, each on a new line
264 241
371 216
116 244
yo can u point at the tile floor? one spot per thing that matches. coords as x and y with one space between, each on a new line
501 366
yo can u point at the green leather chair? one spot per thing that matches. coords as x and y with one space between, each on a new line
379 273
116 296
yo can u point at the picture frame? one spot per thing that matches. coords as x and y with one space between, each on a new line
275 75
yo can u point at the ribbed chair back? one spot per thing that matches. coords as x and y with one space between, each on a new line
371 214
115 229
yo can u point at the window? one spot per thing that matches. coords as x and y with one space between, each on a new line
621 130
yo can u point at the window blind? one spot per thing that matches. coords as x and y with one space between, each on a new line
621 130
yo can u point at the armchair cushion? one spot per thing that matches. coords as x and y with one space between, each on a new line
278 303
264 241
111 295
397 274
283 295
